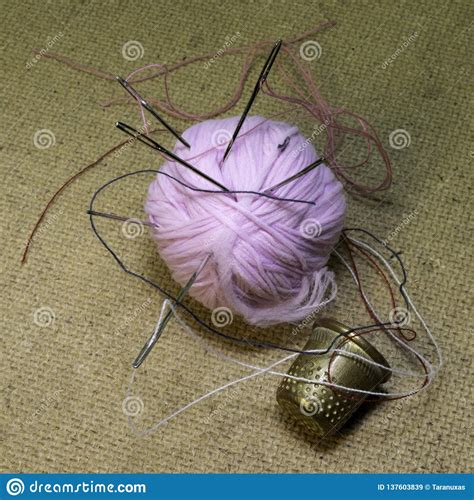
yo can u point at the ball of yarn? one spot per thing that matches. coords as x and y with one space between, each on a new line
269 257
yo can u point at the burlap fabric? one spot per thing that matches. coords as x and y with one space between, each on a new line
72 321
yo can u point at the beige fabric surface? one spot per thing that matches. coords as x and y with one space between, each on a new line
63 385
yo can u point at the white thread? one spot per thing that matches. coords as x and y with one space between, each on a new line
299 379
389 332
415 310
209 394
268 370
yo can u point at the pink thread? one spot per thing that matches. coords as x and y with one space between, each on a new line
269 257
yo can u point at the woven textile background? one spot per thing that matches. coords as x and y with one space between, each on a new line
72 321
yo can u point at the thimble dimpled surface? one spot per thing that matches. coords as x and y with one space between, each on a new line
321 409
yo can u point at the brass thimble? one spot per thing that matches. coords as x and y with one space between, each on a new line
322 409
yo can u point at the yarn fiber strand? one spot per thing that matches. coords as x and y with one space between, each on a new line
269 257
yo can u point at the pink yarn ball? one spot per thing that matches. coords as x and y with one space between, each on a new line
269 257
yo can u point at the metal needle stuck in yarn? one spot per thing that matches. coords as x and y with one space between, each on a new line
261 80
150 109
